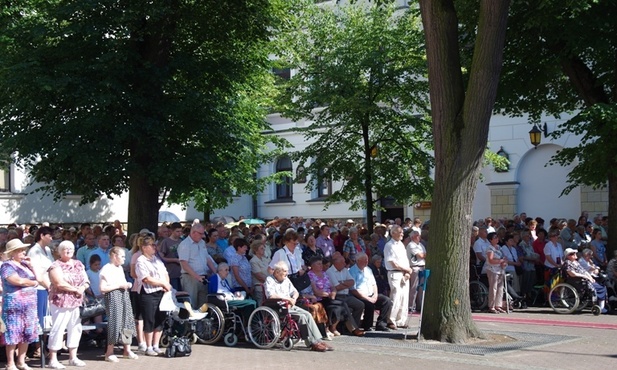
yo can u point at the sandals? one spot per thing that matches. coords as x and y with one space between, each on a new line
22 367
131 356
112 358
492 310
500 310
56 365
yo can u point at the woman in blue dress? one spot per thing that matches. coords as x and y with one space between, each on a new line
18 304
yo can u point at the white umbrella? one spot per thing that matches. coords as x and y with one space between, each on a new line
223 219
166 216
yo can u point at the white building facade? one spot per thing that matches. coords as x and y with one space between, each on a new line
530 185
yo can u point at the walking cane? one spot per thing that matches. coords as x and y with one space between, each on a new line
505 289
423 274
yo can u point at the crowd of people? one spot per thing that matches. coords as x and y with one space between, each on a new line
334 275
533 252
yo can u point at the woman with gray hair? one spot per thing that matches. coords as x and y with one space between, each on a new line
381 274
68 283
278 286
259 269
586 262
353 245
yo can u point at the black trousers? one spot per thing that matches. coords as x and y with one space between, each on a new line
383 304
355 305
149 305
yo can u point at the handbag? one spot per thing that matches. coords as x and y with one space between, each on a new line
92 307
300 282
47 320
178 347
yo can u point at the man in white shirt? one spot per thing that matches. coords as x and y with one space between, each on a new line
416 254
399 272
365 289
196 265
342 281
490 228
480 246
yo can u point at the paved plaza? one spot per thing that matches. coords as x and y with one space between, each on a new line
535 338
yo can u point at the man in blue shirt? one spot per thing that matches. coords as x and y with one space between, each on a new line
223 234
102 250
365 289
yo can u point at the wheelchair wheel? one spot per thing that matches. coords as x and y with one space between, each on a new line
164 342
209 330
584 304
563 298
478 295
288 344
230 339
596 310
264 327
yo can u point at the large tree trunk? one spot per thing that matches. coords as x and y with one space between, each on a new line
368 181
143 204
460 129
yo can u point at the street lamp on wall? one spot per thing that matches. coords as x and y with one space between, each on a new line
535 136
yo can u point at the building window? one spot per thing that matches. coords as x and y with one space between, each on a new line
324 188
5 180
282 74
284 189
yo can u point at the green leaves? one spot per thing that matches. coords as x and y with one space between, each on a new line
359 80
560 57
93 93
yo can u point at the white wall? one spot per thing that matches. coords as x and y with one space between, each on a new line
537 194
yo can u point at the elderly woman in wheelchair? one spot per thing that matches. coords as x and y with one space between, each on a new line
266 327
229 302
579 290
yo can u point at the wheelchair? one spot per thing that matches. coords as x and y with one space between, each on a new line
272 323
233 325
209 330
478 290
573 295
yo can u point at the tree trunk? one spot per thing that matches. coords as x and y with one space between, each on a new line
143 204
368 180
460 129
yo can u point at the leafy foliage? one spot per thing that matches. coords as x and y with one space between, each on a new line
595 154
96 92
360 83
561 57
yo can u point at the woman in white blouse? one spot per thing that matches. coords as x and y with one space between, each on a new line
121 323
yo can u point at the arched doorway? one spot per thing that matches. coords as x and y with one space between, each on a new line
541 185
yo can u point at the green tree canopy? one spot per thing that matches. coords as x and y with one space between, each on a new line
360 81
561 56
100 97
